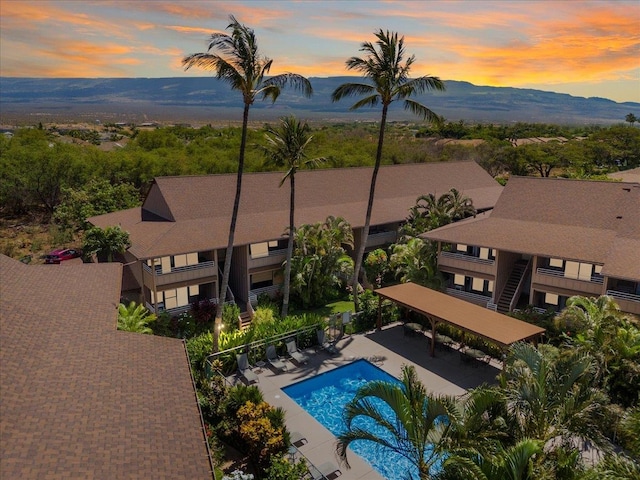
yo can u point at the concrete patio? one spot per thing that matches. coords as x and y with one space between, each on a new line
445 373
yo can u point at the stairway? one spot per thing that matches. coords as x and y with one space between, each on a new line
511 286
244 320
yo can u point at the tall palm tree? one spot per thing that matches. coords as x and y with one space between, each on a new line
415 261
389 82
460 206
236 60
286 148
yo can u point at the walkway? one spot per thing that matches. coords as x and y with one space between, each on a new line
445 373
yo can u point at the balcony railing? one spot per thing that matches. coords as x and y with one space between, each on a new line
186 268
174 312
469 296
623 295
599 279
256 292
467 258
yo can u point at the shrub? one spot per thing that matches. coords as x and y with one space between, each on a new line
262 439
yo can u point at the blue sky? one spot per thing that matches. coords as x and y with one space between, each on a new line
584 48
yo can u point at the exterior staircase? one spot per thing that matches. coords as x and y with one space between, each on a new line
244 320
512 285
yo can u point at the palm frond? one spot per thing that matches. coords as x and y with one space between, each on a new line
350 90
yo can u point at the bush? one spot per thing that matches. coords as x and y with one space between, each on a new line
367 318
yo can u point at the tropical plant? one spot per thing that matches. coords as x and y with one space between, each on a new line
601 329
236 60
390 81
134 318
420 421
415 261
105 242
286 148
376 264
432 212
514 462
551 397
320 264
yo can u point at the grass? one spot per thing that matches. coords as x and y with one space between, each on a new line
329 309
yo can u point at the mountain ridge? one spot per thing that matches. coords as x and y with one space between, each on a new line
191 99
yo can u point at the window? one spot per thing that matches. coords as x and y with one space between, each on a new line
461 247
259 250
166 264
551 299
584 273
262 279
458 280
484 253
597 269
477 284
556 262
179 261
192 259
194 290
490 286
571 269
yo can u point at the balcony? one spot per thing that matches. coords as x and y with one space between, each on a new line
381 238
461 262
275 257
174 312
272 291
628 302
474 298
556 279
187 273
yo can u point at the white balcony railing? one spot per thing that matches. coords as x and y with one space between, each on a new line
623 295
467 258
599 279
186 268
469 296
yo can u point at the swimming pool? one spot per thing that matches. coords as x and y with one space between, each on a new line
324 397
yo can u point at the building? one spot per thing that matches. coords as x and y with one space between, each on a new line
179 235
546 240
81 399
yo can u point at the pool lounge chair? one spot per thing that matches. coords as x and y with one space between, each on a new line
244 369
292 350
326 471
274 360
324 344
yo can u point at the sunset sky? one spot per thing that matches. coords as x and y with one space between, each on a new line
584 48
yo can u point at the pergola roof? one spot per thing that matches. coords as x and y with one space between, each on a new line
439 307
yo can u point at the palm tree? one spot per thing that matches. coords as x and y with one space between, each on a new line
286 148
390 82
552 398
421 420
460 206
236 60
415 261
134 318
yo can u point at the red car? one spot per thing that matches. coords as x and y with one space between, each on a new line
61 255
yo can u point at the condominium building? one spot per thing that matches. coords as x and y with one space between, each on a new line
545 241
179 235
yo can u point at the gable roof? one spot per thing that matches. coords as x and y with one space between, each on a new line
81 399
192 213
588 221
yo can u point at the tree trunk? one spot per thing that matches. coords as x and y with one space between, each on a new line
287 268
232 230
367 221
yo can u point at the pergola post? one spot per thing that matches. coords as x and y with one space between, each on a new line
379 322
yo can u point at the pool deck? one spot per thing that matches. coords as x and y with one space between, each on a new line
390 349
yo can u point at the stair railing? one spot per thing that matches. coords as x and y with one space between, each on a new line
516 294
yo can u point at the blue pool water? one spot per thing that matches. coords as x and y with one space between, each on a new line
324 397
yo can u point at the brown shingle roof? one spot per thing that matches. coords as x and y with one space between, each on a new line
82 400
595 222
202 205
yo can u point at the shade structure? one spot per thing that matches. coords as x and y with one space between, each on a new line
494 327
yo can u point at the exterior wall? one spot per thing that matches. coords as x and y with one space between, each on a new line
239 277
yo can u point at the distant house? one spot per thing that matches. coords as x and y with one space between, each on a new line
179 235
546 240
81 399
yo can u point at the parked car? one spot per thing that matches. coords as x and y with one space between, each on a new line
61 255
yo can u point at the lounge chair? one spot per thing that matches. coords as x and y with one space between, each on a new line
274 360
324 343
244 369
326 471
292 350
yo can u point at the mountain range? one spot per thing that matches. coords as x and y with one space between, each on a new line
209 100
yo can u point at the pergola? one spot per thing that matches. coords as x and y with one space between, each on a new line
494 327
